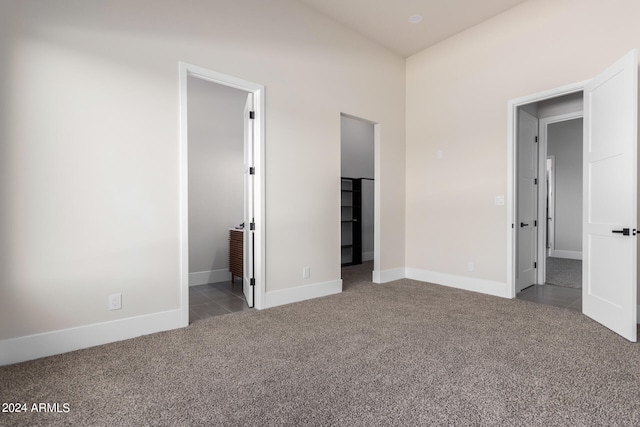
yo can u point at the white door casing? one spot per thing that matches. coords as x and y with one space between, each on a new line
609 197
551 205
248 277
527 196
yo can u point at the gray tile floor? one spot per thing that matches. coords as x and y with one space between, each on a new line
215 299
557 296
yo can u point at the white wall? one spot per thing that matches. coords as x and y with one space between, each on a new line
564 141
90 161
457 97
357 161
216 176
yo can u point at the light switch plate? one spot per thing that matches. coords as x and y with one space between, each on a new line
499 200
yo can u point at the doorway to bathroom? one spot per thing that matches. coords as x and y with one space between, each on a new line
222 193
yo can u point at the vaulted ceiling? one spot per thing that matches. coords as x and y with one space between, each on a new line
387 22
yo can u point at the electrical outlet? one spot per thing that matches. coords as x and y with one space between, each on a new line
306 272
115 302
471 266
499 200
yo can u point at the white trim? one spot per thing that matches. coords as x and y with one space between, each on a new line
489 287
302 293
258 91
512 128
211 276
386 276
377 205
550 175
567 254
31 347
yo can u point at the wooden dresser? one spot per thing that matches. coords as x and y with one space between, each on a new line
236 253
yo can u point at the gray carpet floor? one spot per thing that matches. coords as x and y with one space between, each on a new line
564 272
404 353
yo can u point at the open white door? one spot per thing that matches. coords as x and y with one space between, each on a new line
609 204
248 282
527 170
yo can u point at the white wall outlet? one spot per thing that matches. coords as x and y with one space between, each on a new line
306 272
499 200
115 302
439 154
471 266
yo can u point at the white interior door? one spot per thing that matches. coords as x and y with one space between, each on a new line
609 205
527 170
248 282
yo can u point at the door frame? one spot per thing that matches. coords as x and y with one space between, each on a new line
189 70
551 205
512 129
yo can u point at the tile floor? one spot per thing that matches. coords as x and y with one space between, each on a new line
215 299
557 296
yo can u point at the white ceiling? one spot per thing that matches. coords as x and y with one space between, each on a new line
387 21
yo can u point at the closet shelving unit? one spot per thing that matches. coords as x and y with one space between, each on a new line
351 220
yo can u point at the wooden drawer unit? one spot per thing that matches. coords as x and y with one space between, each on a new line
236 253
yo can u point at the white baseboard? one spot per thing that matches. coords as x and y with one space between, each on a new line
31 347
566 254
367 256
385 276
211 276
302 293
489 287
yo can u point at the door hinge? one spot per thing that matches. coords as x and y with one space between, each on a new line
252 114
252 281
535 181
512 225
252 226
535 265
252 170
535 223
536 139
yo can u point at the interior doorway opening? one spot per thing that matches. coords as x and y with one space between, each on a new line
216 198
221 193
357 199
549 192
